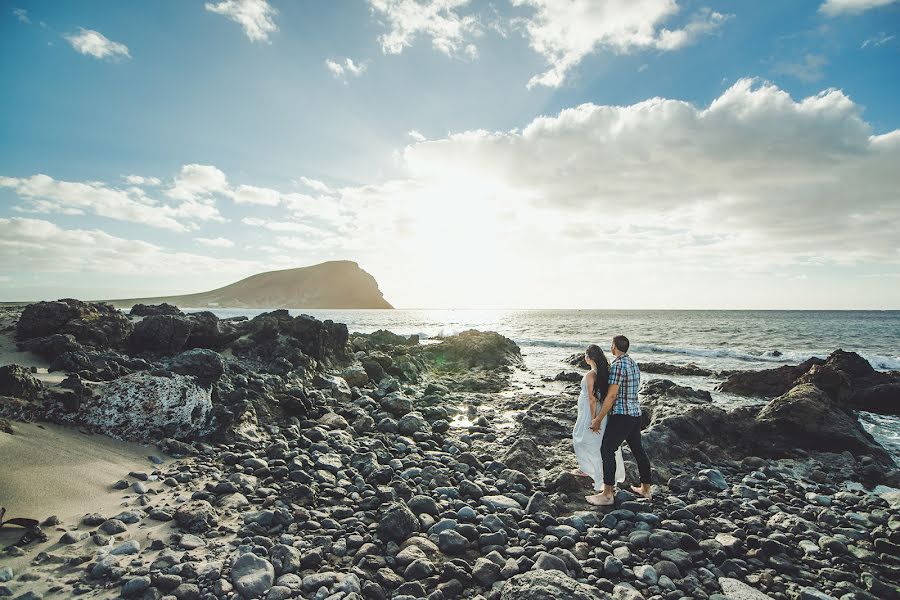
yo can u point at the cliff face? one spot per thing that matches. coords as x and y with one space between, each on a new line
333 284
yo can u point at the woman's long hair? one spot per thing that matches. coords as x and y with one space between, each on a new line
601 383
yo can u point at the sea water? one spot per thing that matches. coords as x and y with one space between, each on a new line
713 339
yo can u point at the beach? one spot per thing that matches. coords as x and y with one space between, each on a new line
278 455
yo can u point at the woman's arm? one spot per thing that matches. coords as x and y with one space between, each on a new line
591 378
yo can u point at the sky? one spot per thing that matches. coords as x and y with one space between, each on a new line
466 153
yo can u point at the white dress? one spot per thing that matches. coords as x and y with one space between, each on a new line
587 443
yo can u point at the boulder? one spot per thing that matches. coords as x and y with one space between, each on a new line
326 341
208 331
159 334
51 347
397 523
382 337
196 516
206 365
252 576
805 417
18 382
577 360
883 398
147 407
767 382
548 585
355 376
472 349
90 323
689 370
148 310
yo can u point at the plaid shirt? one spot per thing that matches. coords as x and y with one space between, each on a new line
625 372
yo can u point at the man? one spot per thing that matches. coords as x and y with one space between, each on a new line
624 424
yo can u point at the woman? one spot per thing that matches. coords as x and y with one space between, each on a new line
587 443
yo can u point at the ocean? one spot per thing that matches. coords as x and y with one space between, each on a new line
713 339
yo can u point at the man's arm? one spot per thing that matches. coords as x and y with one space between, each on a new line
606 407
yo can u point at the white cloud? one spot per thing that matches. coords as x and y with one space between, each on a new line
810 69
283 226
439 20
198 181
22 15
44 194
851 7
248 194
566 31
416 135
254 16
141 181
345 69
218 242
878 40
93 43
38 245
753 180
315 184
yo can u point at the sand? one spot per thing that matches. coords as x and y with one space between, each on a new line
49 470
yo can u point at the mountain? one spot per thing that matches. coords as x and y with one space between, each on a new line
333 284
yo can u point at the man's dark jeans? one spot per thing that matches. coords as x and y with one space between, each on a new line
623 428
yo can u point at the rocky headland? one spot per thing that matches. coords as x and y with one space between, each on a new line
332 284
299 460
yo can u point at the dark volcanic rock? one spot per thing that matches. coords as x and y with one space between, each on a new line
90 323
159 334
147 310
208 331
276 334
667 369
656 388
383 337
807 418
882 398
473 348
577 360
207 366
397 523
18 382
768 382
51 347
845 377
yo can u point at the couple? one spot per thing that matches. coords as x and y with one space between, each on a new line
600 430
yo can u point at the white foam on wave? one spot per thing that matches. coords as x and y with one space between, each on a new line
888 363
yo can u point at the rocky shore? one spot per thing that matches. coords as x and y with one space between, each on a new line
298 460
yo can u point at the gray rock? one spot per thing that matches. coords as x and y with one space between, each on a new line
196 516
738 590
452 542
129 547
500 503
6 574
135 586
112 527
809 593
252 575
547 562
647 574
548 585
486 572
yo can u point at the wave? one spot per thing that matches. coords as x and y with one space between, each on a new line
888 363
738 354
732 353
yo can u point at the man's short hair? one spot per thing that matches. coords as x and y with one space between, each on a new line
621 342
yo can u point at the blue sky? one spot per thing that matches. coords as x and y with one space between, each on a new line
427 160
